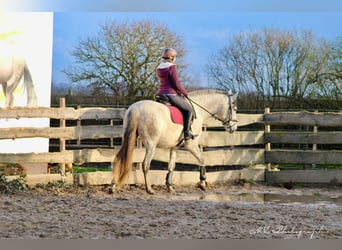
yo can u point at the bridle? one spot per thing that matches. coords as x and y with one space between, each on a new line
225 121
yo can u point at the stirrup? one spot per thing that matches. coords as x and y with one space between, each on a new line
189 135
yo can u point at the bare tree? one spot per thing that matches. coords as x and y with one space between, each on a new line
121 59
273 65
330 86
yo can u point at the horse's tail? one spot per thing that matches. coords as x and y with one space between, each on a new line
31 93
123 159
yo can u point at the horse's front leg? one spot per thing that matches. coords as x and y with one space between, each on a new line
203 179
171 167
194 148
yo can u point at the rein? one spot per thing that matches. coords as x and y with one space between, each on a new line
225 121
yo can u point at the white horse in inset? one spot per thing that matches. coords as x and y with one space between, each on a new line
13 68
151 122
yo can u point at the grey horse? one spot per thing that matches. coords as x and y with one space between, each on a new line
151 122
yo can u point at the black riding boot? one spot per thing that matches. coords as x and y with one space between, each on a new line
187 127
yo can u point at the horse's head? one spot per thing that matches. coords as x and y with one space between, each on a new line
219 105
230 122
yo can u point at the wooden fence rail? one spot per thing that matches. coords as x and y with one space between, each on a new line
304 137
244 147
62 113
305 118
313 123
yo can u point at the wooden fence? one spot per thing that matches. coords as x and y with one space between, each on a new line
319 142
246 146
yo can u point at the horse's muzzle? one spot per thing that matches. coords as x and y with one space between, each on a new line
231 127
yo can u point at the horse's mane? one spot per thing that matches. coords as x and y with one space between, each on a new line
205 92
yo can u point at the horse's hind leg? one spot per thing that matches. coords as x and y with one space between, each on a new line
12 84
9 98
171 167
8 92
146 167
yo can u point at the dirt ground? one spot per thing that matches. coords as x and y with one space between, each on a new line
92 213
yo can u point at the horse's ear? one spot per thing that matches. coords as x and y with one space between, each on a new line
234 97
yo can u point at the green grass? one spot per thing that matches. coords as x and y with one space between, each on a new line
78 169
310 166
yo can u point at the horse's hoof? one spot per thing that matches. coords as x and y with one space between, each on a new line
203 185
111 189
150 191
171 190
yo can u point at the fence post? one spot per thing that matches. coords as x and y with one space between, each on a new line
111 141
267 145
79 127
62 124
314 146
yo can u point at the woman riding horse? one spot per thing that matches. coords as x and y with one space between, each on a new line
150 122
171 87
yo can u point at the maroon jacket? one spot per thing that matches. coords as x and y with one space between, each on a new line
168 78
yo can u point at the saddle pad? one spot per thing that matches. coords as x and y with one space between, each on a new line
176 114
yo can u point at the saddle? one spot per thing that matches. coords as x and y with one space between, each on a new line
175 113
